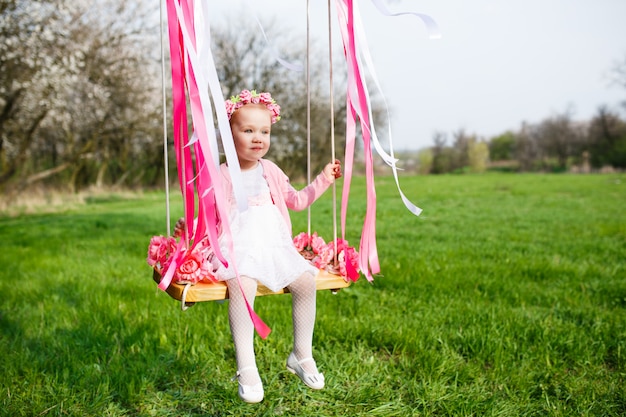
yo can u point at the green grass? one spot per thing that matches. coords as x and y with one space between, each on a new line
507 297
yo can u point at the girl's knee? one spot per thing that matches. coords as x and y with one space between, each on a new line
303 285
248 285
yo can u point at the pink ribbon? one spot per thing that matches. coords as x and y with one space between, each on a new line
194 76
193 68
358 107
357 103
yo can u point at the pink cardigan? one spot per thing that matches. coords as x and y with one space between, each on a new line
283 194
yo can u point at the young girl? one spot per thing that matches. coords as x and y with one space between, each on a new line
263 249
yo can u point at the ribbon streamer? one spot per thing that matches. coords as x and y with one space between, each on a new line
356 102
389 159
194 78
431 25
359 107
292 66
193 67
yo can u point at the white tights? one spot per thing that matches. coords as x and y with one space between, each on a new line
303 315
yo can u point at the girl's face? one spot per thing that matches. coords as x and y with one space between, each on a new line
251 126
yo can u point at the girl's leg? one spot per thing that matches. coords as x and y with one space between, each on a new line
242 328
303 294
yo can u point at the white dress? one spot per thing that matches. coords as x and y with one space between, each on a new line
263 246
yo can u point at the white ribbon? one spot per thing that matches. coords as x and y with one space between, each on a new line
292 66
365 55
431 25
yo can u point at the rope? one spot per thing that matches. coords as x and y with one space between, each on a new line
332 120
183 298
308 106
308 112
165 154
308 118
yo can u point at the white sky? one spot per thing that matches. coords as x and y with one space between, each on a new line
499 62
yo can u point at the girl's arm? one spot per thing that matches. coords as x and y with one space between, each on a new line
299 200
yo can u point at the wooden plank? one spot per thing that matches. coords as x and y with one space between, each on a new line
214 291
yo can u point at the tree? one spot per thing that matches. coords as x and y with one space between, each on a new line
618 75
80 97
79 90
560 138
502 147
242 62
34 59
527 151
606 139
425 161
442 155
477 155
460 149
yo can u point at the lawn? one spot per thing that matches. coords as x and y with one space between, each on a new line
506 297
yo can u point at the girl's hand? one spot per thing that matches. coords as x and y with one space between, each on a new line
179 228
332 170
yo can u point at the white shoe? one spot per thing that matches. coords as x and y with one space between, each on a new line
313 381
250 393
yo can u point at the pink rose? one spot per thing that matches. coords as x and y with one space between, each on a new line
349 263
266 98
193 268
230 108
301 241
341 244
275 110
159 249
317 243
245 96
324 256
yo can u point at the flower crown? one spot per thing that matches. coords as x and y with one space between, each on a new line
252 97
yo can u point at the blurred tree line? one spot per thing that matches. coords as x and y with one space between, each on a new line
81 103
81 94
556 144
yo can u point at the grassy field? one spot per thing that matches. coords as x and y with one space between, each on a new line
507 297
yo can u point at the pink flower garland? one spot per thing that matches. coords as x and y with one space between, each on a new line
195 266
252 97
321 254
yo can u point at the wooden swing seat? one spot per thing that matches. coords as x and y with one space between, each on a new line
216 291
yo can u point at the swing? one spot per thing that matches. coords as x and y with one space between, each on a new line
181 21
189 294
211 290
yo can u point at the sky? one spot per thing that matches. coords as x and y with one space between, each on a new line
499 63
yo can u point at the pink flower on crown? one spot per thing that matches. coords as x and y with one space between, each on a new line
275 109
230 107
245 96
266 98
